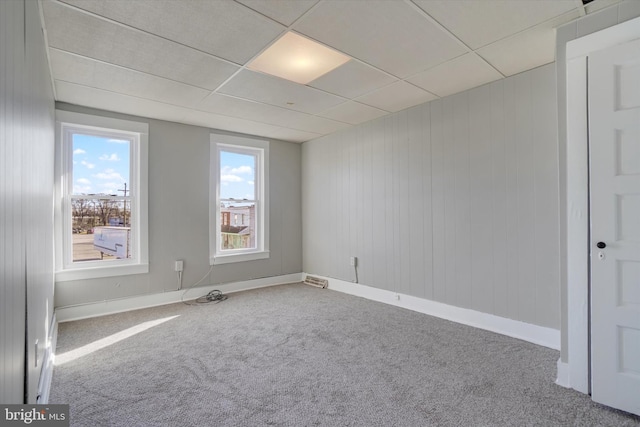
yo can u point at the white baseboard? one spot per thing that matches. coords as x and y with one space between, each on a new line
46 373
102 308
540 335
562 377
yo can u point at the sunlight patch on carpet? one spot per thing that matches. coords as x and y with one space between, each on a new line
61 359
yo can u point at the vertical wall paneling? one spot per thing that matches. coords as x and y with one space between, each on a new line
414 208
547 202
424 120
512 221
481 185
449 189
26 201
526 197
379 208
403 204
439 274
389 226
12 326
455 200
38 197
461 212
368 194
499 200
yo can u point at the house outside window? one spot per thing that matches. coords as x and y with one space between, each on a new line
239 199
101 203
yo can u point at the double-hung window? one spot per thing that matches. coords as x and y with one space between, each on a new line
101 203
239 199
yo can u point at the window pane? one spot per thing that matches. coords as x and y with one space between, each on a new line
237 194
101 225
237 225
101 228
237 176
100 165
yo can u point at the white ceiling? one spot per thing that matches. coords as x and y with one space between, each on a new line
185 61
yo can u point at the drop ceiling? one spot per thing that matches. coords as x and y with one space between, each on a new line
187 61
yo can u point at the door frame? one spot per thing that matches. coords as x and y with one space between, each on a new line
577 204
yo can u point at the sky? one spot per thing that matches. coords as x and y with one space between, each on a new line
100 165
237 175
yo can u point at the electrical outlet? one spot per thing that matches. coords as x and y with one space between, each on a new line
353 261
179 265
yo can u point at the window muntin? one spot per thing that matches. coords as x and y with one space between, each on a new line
101 210
238 223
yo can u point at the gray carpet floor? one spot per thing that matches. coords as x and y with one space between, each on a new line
295 355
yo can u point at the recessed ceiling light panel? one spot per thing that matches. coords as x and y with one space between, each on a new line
297 59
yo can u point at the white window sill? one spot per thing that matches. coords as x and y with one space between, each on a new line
231 258
97 272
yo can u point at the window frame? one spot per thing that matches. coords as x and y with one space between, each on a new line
67 124
259 149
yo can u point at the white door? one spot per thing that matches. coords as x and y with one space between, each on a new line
614 144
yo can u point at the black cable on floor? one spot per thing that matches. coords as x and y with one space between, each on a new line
214 296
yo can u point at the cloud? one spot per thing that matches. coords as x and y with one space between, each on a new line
239 170
87 164
83 181
109 174
250 182
117 141
243 170
81 189
110 188
79 151
230 178
110 158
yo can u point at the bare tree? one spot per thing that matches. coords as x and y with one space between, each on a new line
104 210
79 210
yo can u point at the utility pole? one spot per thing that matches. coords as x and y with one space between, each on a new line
125 191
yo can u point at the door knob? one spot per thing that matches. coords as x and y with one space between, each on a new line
601 245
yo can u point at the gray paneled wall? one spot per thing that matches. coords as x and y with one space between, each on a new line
26 200
179 217
455 200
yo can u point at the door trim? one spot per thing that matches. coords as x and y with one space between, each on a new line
577 203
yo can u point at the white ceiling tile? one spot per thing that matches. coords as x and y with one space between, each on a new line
223 28
525 50
520 53
158 59
353 113
478 23
251 110
232 124
88 72
465 72
293 135
283 11
111 101
282 93
81 33
352 80
390 35
396 97
316 124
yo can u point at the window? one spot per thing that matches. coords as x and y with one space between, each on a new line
101 209
239 201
